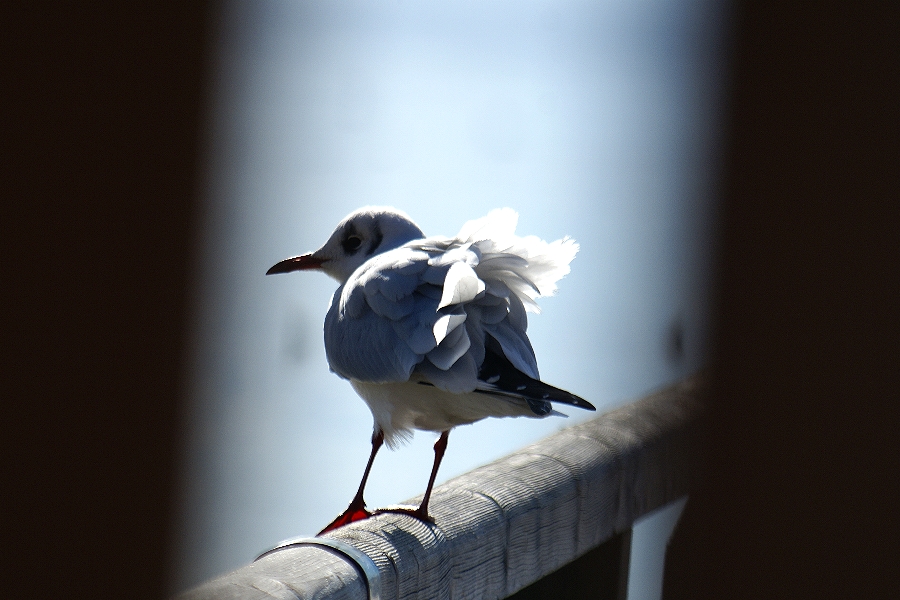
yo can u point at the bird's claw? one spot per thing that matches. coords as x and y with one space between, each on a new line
417 512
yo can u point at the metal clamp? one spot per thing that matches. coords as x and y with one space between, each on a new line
363 561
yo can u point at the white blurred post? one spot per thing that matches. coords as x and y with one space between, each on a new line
649 540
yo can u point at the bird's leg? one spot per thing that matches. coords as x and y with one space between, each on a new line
421 513
357 509
440 446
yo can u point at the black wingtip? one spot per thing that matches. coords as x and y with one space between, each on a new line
554 394
499 372
581 403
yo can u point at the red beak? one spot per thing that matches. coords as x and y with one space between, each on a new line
297 263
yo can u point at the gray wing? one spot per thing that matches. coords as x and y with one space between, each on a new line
424 308
429 307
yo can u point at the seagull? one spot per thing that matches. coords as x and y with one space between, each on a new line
431 331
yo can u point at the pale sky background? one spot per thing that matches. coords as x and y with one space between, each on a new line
597 120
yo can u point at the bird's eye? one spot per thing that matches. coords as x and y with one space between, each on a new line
352 243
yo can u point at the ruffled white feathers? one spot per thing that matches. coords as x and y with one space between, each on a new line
421 310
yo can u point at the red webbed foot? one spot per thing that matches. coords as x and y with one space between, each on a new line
351 515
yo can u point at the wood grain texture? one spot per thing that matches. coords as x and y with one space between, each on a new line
301 572
505 525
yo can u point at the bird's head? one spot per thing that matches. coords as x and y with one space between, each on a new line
360 236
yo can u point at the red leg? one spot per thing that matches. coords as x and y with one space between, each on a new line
421 513
357 509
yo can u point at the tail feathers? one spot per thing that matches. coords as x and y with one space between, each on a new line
498 376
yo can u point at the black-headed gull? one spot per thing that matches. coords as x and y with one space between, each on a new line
431 332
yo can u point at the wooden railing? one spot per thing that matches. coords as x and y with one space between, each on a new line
570 499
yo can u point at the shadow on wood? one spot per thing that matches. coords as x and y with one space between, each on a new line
602 574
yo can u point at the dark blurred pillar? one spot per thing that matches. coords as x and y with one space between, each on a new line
801 492
101 153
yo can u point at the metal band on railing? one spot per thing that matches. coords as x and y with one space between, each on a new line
363 561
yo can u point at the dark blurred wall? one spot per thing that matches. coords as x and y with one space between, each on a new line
801 491
101 144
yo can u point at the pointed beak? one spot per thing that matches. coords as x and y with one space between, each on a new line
297 263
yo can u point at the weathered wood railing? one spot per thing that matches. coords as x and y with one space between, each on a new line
503 526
